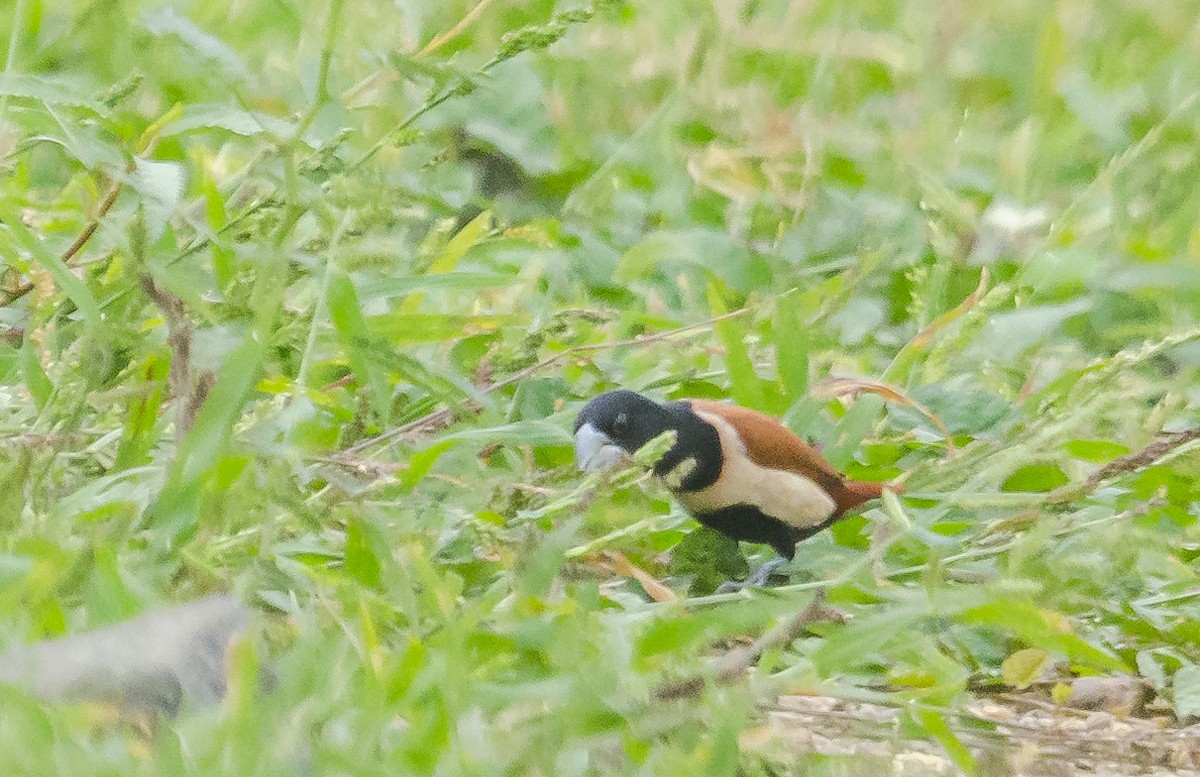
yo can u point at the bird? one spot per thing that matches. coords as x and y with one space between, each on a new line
736 470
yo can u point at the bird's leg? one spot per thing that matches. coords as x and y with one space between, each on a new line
758 578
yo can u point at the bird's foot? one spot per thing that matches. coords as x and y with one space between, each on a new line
757 579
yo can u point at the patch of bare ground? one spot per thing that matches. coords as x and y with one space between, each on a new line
1009 738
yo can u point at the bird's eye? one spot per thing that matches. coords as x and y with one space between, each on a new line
621 424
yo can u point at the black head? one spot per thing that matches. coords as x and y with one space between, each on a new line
626 417
628 420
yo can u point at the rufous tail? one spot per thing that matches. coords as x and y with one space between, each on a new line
856 492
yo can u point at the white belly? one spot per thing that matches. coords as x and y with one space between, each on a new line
790 497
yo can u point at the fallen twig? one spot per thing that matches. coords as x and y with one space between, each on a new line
1151 454
734 664
77 245
179 340
1167 443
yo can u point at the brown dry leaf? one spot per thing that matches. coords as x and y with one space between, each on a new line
838 387
626 568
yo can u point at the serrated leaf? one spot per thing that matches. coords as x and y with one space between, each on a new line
538 398
231 119
167 21
49 90
710 558
160 185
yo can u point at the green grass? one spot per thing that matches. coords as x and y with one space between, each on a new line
300 299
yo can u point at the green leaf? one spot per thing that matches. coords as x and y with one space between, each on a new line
174 512
422 461
400 286
360 560
1186 686
13 570
1042 629
167 22
665 636
454 250
961 406
35 377
539 432
853 429
1095 451
49 90
1008 335
346 314
710 558
791 348
700 252
1051 57
900 370
855 645
1036 478
934 722
141 416
229 118
445 387
1024 667
725 750
539 567
402 328
224 259
538 398
744 382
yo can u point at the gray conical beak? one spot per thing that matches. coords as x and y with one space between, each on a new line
594 450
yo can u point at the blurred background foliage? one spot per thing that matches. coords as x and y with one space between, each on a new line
300 299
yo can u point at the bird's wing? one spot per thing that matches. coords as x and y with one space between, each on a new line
771 444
